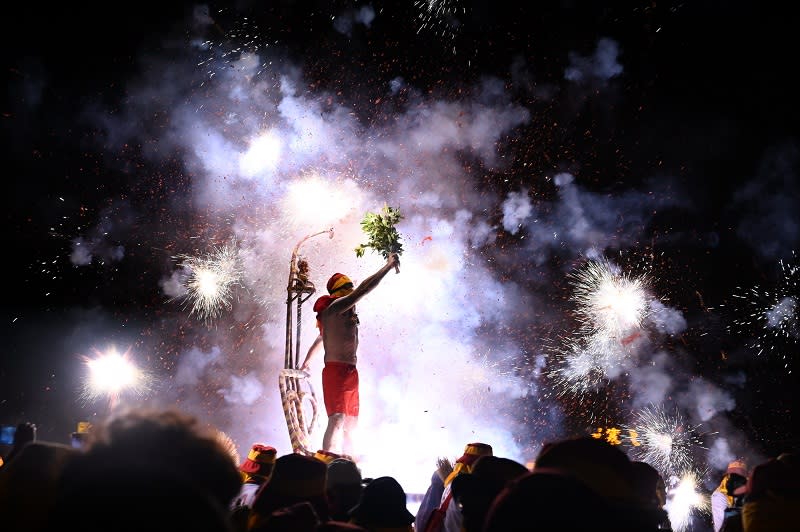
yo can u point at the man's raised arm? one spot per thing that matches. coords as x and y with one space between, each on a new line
364 287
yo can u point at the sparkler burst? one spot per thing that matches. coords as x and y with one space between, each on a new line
683 499
770 316
211 281
610 302
578 368
240 45
112 374
666 441
611 307
440 17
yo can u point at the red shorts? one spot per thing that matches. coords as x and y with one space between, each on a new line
340 388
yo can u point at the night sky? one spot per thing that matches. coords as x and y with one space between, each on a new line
520 143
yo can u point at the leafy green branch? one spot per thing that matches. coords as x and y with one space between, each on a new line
382 235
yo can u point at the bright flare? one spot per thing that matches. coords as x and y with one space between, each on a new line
314 201
683 499
211 281
263 155
111 374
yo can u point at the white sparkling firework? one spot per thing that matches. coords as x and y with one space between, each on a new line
666 441
684 499
211 281
112 374
610 302
440 17
770 317
241 44
611 307
577 368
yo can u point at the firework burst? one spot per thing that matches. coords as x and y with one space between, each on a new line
577 368
684 499
666 441
240 44
112 374
610 302
440 17
770 316
211 281
611 307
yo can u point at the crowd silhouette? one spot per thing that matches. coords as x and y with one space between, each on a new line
164 470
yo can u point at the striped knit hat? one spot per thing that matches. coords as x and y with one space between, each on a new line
737 466
260 461
326 456
464 464
337 282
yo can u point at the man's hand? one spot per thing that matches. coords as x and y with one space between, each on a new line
394 260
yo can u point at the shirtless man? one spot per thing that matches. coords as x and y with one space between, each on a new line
338 324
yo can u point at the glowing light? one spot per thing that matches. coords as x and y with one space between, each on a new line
683 499
314 201
616 436
211 281
262 155
667 442
111 374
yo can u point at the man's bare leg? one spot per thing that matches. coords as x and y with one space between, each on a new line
349 435
331 441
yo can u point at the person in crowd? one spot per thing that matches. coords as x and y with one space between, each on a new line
444 517
297 517
80 437
256 470
729 494
28 485
343 487
24 434
338 325
383 507
649 483
474 492
773 498
328 456
548 500
433 494
148 469
296 478
607 471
